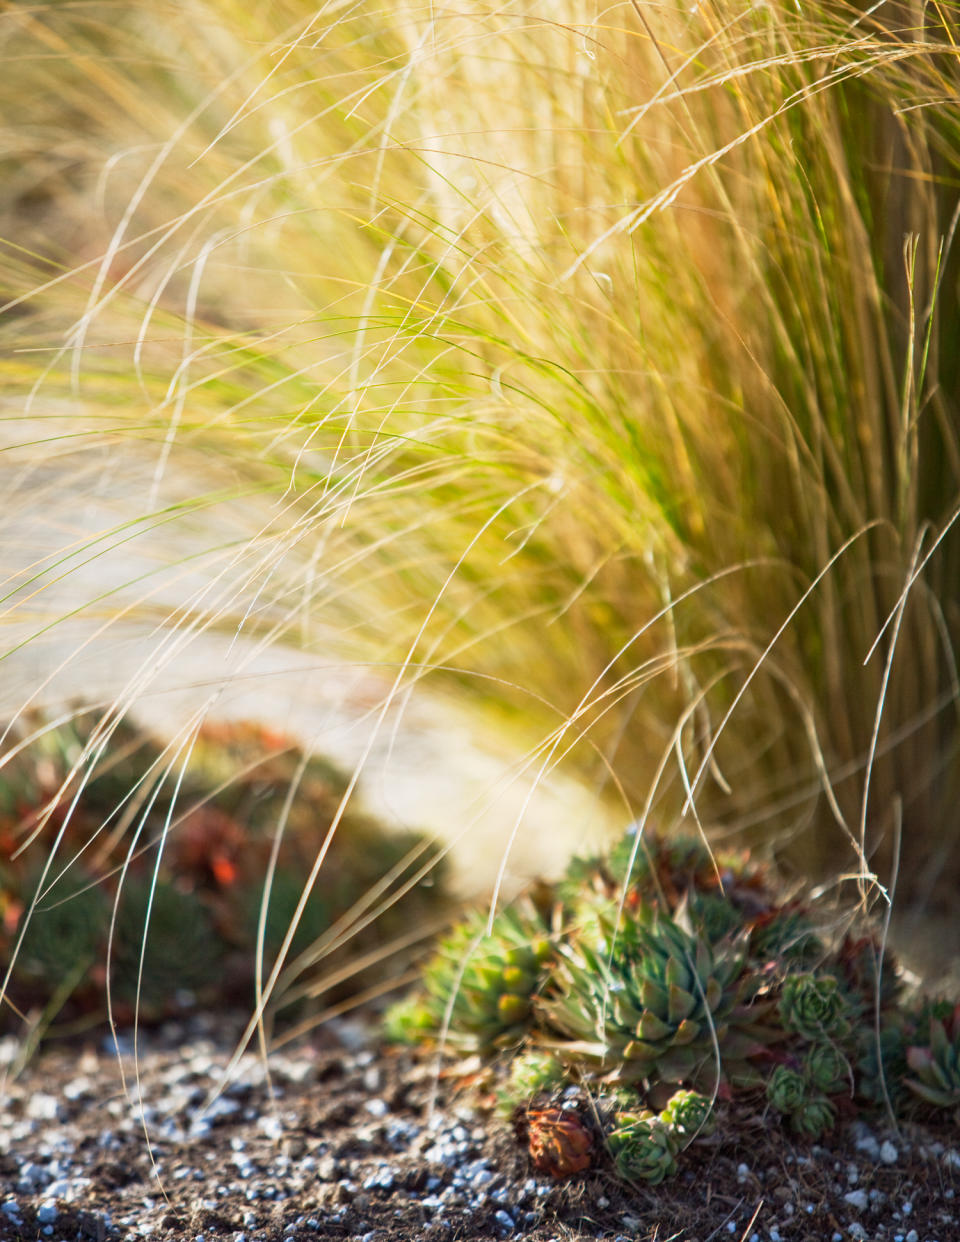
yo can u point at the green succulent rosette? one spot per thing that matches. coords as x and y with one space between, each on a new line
643 1148
689 1114
826 1068
814 1007
935 1063
786 935
815 1116
792 1093
532 1073
786 1089
662 1006
480 984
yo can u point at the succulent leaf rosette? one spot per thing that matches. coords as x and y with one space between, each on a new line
935 1064
689 1114
813 1007
826 1068
661 1006
532 1073
644 1147
814 1117
809 1110
786 1089
480 984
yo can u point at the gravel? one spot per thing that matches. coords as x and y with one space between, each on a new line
339 1141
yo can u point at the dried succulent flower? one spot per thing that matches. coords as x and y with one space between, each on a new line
560 1142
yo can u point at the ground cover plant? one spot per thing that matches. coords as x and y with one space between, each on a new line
597 366
153 907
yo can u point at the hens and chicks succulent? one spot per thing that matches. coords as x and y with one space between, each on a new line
665 979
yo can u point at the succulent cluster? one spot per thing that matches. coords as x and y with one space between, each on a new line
107 876
670 981
934 1059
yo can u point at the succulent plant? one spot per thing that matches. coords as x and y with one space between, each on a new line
826 1068
660 1007
480 984
793 1093
881 1063
785 935
935 1063
689 1114
644 1147
815 1116
813 1006
408 1021
786 1089
559 1141
664 870
532 1073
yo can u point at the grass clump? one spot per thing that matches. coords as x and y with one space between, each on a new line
599 368
666 1018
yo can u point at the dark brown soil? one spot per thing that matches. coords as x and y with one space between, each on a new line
341 1142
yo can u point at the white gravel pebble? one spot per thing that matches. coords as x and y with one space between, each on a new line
889 1153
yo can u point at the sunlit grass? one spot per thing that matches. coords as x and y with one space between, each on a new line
601 364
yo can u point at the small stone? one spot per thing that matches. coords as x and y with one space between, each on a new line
857 1199
42 1107
856 1230
889 1153
505 1221
912 1236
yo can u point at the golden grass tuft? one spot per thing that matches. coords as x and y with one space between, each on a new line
599 363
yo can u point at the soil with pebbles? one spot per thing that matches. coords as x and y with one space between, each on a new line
345 1139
